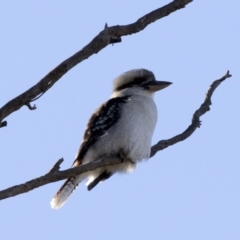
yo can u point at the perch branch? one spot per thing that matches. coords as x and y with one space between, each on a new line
195 120
55 175
109 35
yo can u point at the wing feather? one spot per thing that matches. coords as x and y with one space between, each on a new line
102 120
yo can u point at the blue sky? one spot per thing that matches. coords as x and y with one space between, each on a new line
188 191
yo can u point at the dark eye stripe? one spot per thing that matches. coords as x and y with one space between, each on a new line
135 82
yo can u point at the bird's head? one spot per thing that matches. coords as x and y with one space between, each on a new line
138 79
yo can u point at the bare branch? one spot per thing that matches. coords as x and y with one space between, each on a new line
31 107
195 120
56 175
108 36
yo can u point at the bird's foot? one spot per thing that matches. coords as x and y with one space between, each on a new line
124 157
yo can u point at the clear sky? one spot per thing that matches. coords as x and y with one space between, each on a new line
188 191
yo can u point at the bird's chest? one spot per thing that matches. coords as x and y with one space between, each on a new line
138 119
134 130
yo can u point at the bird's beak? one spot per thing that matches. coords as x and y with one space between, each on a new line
157 85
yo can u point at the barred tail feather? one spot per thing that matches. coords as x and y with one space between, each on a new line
65 191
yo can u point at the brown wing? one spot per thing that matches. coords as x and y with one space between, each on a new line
102 120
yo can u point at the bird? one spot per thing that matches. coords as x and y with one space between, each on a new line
122 127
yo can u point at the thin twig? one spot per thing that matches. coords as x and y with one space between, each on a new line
195 120
31 107
3 124
56 166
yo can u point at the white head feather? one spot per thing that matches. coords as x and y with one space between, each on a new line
126 78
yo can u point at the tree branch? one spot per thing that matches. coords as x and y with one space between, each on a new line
195 120
55 175
108 36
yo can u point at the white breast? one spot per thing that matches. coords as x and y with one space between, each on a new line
132 133
135 128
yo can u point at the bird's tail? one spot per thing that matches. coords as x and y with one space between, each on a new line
66 190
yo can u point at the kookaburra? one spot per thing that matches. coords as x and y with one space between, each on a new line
121 127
